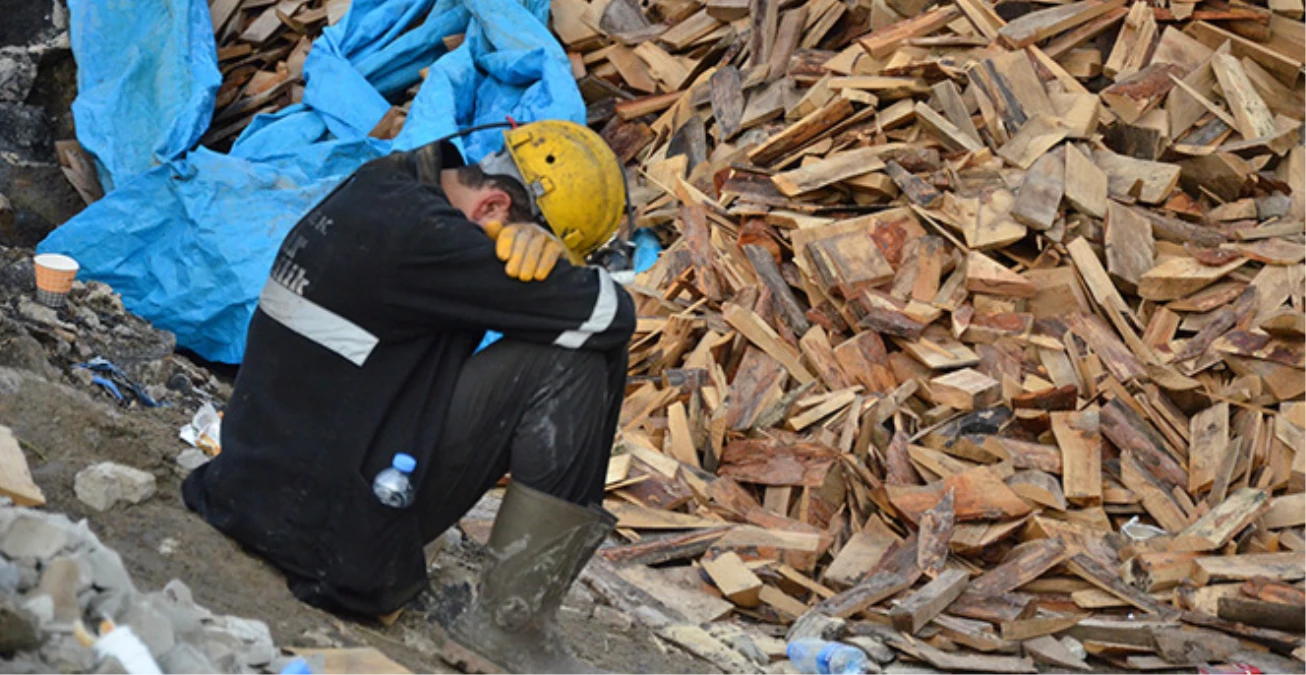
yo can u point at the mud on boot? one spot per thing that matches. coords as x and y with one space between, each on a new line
537 549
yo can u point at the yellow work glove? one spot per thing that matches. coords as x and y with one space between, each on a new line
529 250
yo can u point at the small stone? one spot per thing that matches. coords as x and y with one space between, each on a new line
104 484
41 607
18 627
191 459
879 652
816 625
60 582
317 637
187 658
1074 647
168 546
34 535
1273 206
735 638
17 74
150 625
87 317
41 314
107 570
62 653
101 298
250 640
176 603
10 576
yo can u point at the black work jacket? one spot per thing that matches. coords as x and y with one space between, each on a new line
377 298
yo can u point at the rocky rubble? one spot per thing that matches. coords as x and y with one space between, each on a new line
93 323
55 573
37 86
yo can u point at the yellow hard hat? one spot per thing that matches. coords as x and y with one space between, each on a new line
574 178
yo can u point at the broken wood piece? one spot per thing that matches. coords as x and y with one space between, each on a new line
1213 530
918 608
828 171
15 478
736 581
966 389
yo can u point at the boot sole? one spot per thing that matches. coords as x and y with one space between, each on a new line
467 660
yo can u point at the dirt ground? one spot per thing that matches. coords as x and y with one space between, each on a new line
64 430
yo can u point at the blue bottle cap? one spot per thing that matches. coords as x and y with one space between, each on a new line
404 463
297 667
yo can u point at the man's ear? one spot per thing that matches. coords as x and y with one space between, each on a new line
494 204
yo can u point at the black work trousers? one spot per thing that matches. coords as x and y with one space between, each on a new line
546 414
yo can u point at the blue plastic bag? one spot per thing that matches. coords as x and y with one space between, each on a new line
188 238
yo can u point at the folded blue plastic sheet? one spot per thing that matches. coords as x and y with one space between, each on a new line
187 235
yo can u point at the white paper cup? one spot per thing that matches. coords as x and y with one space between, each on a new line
54 278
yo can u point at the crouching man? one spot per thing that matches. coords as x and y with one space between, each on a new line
364 347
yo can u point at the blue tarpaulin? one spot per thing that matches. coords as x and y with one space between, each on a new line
187 235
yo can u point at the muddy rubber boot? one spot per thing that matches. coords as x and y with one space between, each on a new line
538 547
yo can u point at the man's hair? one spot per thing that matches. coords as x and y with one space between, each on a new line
519 211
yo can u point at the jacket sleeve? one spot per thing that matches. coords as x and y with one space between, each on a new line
448 277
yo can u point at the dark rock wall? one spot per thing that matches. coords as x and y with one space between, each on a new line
38 81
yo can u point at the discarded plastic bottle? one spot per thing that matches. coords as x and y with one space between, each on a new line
818 657
297 667
393 486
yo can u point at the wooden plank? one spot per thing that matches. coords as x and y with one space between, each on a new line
1149 182
949 98
985 275
1039 199
882 42
966 389
1133 43
896 572
15 478
665 68
1042 24
752 326
801 132
1209 434
1213 530
1024 564
681 437
1081 455
1181 276
918 608
736 581
1288 566
1285 68
1108 580
1286 511
1130 248
1249 110
828 171
1038 487
949 134
980 495
1074 38
632 69
862 552
1034 138
1085 183
636 517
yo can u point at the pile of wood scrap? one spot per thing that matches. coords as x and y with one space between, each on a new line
262 45
980 327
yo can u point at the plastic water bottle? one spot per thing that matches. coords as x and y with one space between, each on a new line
297 667
818 657
393 486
